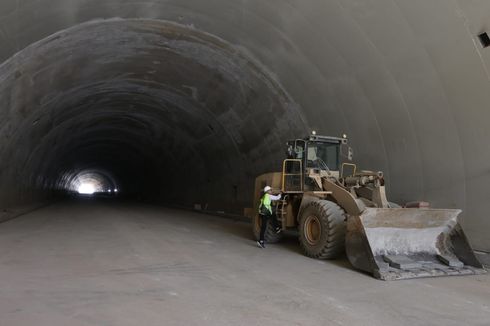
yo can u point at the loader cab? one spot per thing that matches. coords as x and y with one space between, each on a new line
313 155
323 155
317 152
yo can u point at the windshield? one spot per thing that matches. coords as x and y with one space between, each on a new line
323 153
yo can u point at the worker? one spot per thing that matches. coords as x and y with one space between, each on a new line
266 214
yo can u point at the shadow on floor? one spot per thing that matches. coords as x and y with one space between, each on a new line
289 242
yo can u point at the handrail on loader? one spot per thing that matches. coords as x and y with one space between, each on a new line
286 175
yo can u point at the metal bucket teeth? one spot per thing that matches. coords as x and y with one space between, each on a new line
400 243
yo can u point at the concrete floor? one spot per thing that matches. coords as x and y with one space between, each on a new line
99 263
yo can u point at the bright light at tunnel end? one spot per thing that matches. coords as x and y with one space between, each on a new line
86 189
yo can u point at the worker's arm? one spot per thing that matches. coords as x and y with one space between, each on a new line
276 197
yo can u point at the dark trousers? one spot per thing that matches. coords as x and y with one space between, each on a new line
265 220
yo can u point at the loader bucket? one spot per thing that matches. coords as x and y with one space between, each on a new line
402 243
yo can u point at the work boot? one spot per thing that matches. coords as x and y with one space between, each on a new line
261 244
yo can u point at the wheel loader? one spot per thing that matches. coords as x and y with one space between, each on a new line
335 208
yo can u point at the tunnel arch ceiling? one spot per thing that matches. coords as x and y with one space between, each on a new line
173 113
406 80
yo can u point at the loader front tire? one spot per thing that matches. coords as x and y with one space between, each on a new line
322 228
270 235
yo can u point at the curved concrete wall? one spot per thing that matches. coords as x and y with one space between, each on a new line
172 112
406 80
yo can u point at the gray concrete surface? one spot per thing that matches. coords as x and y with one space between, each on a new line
98 263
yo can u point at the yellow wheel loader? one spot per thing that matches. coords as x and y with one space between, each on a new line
336 208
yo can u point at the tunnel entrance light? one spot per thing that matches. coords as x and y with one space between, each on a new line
93 182
86 189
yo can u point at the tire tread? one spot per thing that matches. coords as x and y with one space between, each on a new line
333 220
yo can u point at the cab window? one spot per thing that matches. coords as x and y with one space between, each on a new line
323 153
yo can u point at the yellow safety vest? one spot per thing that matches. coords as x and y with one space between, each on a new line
265 201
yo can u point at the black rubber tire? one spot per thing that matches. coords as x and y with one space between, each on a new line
332 221
270 235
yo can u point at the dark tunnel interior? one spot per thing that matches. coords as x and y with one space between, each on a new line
136 135
192 112
155 110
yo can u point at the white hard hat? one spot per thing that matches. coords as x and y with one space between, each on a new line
267 188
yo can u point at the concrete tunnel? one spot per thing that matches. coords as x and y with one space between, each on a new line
184 102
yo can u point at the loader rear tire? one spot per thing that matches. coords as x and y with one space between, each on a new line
322 228
270 235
